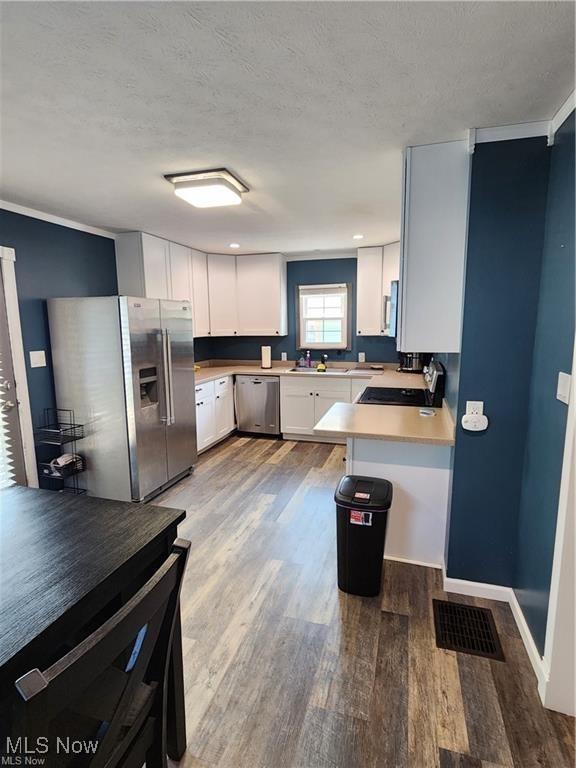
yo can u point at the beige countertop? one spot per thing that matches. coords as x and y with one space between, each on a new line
387 422
386 378
377 422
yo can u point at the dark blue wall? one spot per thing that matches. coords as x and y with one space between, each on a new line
505 240
553 348
304 273
51 261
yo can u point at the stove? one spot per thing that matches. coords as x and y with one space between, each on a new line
391 396
431 397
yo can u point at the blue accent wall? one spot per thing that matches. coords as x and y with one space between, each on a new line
320 271
505 241
51 261
553 347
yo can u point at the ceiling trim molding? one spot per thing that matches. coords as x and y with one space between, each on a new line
320 255
52 219
565 110
509 132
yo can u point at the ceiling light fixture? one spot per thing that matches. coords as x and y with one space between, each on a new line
208 189
357 237
234 245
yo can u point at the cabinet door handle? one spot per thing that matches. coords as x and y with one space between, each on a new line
311 394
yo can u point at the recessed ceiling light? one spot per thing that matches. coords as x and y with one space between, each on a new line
234 245
357 237
208 189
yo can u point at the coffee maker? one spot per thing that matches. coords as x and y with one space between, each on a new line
411 362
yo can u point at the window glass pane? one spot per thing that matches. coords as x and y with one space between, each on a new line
323 316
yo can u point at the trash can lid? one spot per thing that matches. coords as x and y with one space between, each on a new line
366 492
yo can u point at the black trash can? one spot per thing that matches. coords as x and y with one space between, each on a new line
362 505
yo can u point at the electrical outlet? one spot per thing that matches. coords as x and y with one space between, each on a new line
361 357
474 407
284 356
38 359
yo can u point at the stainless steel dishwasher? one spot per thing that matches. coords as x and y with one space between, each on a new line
258 404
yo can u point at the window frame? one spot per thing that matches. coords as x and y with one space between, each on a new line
347 320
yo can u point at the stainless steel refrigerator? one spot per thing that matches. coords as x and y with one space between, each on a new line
126 367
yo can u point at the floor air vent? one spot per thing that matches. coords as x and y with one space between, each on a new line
467 629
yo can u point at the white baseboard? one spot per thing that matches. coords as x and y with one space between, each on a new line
539 665
477 589
505 595
412 562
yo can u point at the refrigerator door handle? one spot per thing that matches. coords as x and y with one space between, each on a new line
167 405
172 418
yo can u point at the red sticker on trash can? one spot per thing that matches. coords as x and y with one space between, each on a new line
359 517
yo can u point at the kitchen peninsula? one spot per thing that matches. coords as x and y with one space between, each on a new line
411 450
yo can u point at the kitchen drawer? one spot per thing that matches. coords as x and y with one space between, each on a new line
332 385
223 384
206 389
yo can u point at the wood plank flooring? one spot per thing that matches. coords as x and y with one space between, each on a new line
284 671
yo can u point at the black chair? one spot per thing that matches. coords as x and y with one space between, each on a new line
103 704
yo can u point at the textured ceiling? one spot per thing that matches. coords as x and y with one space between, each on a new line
309 102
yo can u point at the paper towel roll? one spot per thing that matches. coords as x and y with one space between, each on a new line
266 357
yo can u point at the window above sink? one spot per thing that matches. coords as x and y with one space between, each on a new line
323 316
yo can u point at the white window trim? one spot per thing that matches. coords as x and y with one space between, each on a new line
7 260
327 287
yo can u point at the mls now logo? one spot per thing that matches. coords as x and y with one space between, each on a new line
25 751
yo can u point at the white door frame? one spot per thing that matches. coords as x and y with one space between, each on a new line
7 261
558 690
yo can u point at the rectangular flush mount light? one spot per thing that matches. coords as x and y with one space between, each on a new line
208 189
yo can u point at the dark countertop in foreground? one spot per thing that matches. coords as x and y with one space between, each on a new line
57 549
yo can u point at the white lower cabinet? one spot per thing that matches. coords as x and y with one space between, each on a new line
297 409
214 411
303 402
205 422
224 407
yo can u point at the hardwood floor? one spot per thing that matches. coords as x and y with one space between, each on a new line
283 670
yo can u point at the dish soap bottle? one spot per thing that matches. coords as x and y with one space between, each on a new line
308 359
321 367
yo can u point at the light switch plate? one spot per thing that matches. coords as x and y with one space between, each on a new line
563 390
361 357
38 359
284 356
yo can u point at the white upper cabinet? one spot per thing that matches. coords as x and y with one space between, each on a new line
369 296
261 289
143 265
433 247
200 301
390 274
180 272
231 296
223 295
153 268
156 265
